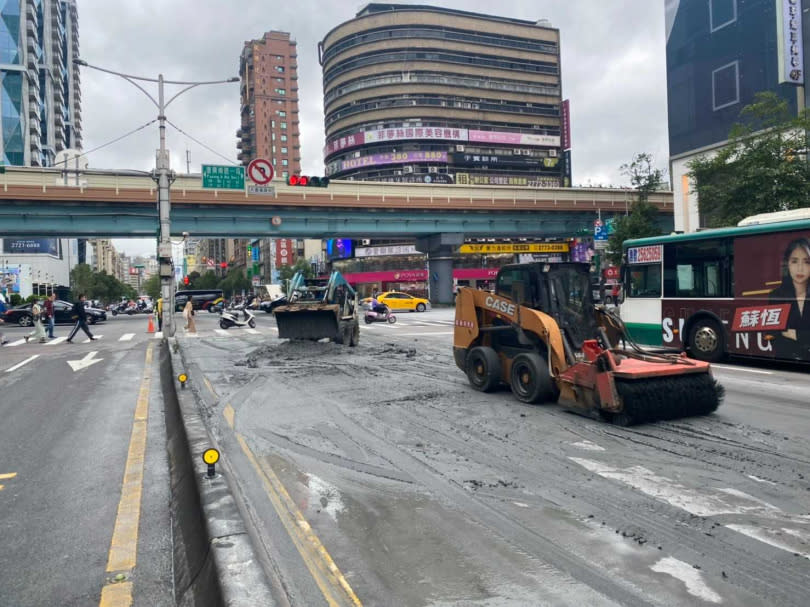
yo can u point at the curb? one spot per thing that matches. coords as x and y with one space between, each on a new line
214 560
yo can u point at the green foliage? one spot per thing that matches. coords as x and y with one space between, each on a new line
208 280
763 168
98 285
151 286
235 282
286 272
641 221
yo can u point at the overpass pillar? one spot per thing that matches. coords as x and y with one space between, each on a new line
439 249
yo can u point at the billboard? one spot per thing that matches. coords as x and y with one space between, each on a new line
790 47
391 158
10 280
27 246
339 248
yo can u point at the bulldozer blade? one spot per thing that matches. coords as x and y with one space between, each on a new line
652 399
307 324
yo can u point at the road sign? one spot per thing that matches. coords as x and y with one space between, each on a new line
260 171
267 190
257 281
210 263
223 177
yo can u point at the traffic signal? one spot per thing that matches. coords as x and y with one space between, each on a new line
185 280
308 181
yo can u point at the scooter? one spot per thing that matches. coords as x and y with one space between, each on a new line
384 316
230 318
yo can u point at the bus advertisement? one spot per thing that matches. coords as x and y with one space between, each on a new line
743 291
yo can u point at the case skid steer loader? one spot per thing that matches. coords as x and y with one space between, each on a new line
541 334
318 309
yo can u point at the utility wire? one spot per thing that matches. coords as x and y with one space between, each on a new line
213 151
95 149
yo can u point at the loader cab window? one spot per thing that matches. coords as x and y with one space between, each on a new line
572 305
520 285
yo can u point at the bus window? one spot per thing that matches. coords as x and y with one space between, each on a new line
698 269
645 281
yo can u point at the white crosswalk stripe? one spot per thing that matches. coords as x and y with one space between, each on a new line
14 343
126 337
87 341
223 332
253 331
58 340
18 365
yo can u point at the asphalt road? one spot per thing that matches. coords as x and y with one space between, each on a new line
65 443
375 475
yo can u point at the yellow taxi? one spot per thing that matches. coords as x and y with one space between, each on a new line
397 300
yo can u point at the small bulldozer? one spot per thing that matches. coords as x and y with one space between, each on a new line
318 309
541 334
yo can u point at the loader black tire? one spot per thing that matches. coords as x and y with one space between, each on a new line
483 368
354 338
530 380
707 340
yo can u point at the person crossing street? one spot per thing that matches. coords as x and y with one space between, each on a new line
48 315
80 315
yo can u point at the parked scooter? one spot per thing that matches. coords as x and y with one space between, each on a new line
384 315
230 318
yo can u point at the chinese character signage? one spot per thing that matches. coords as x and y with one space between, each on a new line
789 32
761 318
535 247
651 254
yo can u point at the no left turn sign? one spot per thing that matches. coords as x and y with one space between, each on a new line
260 171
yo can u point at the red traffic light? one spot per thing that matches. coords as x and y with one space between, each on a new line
224 264
185 280
307 181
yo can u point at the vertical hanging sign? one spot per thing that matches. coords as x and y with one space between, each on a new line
789 36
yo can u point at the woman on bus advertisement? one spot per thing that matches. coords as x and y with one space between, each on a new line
794 341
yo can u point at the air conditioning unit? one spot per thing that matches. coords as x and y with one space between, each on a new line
365 242
459 148
552 153
407 169
433 169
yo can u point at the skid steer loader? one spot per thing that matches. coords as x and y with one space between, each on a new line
541 334
318 309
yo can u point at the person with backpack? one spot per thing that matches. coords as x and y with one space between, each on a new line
80 316
48 314
39 329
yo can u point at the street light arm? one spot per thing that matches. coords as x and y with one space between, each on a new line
191 85
128 77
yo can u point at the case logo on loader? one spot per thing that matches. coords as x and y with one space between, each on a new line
500 305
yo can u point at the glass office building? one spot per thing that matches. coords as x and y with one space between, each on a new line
41 113
720 54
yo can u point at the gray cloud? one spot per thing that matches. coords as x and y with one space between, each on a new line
613 71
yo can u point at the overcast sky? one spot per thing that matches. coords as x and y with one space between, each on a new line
613 71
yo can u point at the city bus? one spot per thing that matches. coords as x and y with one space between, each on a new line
741 290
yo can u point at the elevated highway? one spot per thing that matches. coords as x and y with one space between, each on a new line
49 202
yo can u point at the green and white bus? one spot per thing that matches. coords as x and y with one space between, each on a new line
742 290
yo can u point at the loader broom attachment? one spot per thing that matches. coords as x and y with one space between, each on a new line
654 399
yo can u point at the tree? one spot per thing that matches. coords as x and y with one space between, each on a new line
286 272
234 282
762 169
81 280
152 286
208 280
641 221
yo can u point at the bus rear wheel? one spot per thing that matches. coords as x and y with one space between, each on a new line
707 340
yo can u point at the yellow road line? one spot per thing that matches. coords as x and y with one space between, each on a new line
324 571
209 386
124 545
228 413
6 476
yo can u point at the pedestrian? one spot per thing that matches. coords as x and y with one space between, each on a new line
39 329
159 313
80 316
188 314
49 315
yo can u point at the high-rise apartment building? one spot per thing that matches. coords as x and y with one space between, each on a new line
720 54
269 92
41 109
423 94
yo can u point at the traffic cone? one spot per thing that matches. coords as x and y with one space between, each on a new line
151 327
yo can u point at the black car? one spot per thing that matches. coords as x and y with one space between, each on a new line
268 305
62 310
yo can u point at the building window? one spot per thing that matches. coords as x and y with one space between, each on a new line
722 13
281 91
284 162
280 69
283 150
285 174
284 126
284 138
281 113
726 85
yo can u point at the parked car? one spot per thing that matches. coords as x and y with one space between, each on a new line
268 305
62 310
401 301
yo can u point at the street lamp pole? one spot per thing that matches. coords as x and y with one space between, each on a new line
163 176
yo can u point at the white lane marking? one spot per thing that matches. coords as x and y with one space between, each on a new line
25 362
88 360
691 577
760 480
88 340
222 332
775 537
15 343
744 370
253 331
678 495
587 446
126 337
58 340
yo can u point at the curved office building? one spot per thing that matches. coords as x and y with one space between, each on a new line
424 94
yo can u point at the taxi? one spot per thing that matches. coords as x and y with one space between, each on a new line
396 300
